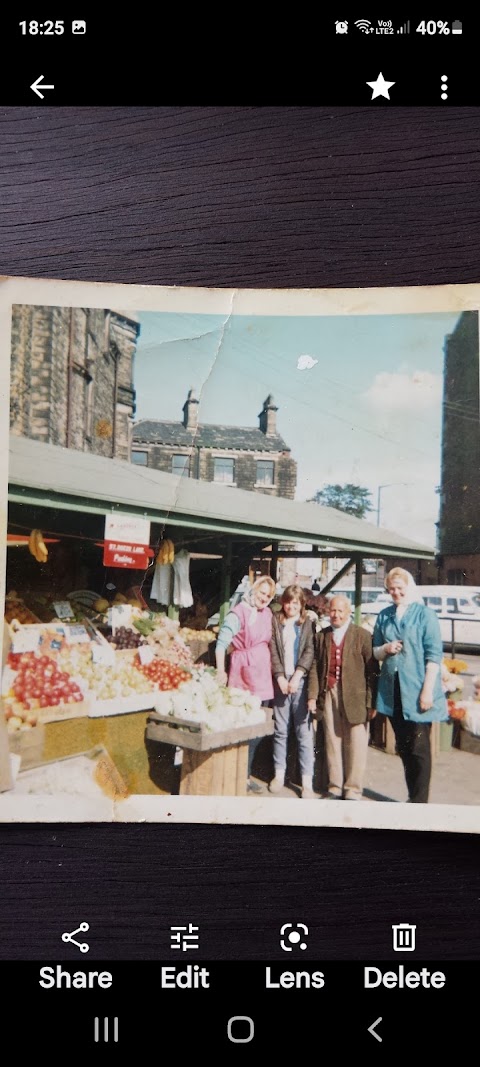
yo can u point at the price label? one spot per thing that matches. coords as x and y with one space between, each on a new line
145 654
119 615
76 635
63 609
25 640
103 654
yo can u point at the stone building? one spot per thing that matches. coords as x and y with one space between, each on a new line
459 523
246 457
72 377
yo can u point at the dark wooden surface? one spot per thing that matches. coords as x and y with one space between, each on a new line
255 197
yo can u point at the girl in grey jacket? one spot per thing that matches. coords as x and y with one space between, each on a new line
292 653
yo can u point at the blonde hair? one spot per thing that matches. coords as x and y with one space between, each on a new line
399 572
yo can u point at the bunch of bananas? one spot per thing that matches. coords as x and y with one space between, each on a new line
166 553
37 546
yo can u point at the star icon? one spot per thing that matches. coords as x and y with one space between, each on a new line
380 87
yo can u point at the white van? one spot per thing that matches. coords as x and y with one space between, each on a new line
457 608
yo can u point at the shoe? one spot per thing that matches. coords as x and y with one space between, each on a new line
330 796
308 794
252 787
276 784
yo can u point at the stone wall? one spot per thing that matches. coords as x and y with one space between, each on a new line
72 378
459 527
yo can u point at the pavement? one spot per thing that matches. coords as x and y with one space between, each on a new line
455 779
455 773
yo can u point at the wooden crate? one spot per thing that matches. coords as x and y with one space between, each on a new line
197 736
218 772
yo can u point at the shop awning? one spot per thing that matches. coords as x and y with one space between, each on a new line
49 476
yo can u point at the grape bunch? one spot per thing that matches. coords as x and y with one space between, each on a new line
125 638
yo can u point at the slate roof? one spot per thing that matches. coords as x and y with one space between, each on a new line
210 435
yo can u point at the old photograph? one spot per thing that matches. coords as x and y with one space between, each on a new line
241 555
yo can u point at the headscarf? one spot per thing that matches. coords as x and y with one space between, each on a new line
412 595
249 596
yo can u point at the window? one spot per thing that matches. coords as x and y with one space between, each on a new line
456 577
181 465
224 470
434 602
140 458
264 472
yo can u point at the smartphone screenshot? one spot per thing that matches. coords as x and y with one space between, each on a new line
240 556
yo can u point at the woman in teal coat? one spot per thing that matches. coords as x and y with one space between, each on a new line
407 643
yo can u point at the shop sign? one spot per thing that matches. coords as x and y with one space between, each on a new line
129 528
126 554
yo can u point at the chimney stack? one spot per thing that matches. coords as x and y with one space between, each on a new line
268 417
190 411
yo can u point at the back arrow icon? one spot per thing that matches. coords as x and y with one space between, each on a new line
371 1029
36 84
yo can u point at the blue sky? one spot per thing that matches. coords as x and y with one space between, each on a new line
367 411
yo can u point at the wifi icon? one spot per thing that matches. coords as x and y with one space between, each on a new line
364 25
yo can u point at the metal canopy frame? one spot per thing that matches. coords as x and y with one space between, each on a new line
48 476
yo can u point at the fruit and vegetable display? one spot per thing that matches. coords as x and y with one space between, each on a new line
144 662
37 546
163 636
203 700
124 637
166 553
15 608
36 682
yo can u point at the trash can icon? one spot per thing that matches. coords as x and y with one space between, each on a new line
403 937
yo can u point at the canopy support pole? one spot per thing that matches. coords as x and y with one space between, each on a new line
226 580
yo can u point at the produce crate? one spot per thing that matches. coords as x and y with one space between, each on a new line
187 734
120 705
468 742
29 744
59 712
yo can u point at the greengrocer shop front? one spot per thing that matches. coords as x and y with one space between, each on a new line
91 653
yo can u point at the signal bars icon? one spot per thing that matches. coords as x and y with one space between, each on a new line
405 28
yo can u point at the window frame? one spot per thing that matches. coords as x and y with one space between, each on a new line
258 481
185 472
224 459
139 452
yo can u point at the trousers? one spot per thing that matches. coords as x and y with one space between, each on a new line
292 707
346 748
413 746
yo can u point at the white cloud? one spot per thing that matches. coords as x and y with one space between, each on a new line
306 362
415 391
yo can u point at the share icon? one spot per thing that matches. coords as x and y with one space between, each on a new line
82 929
